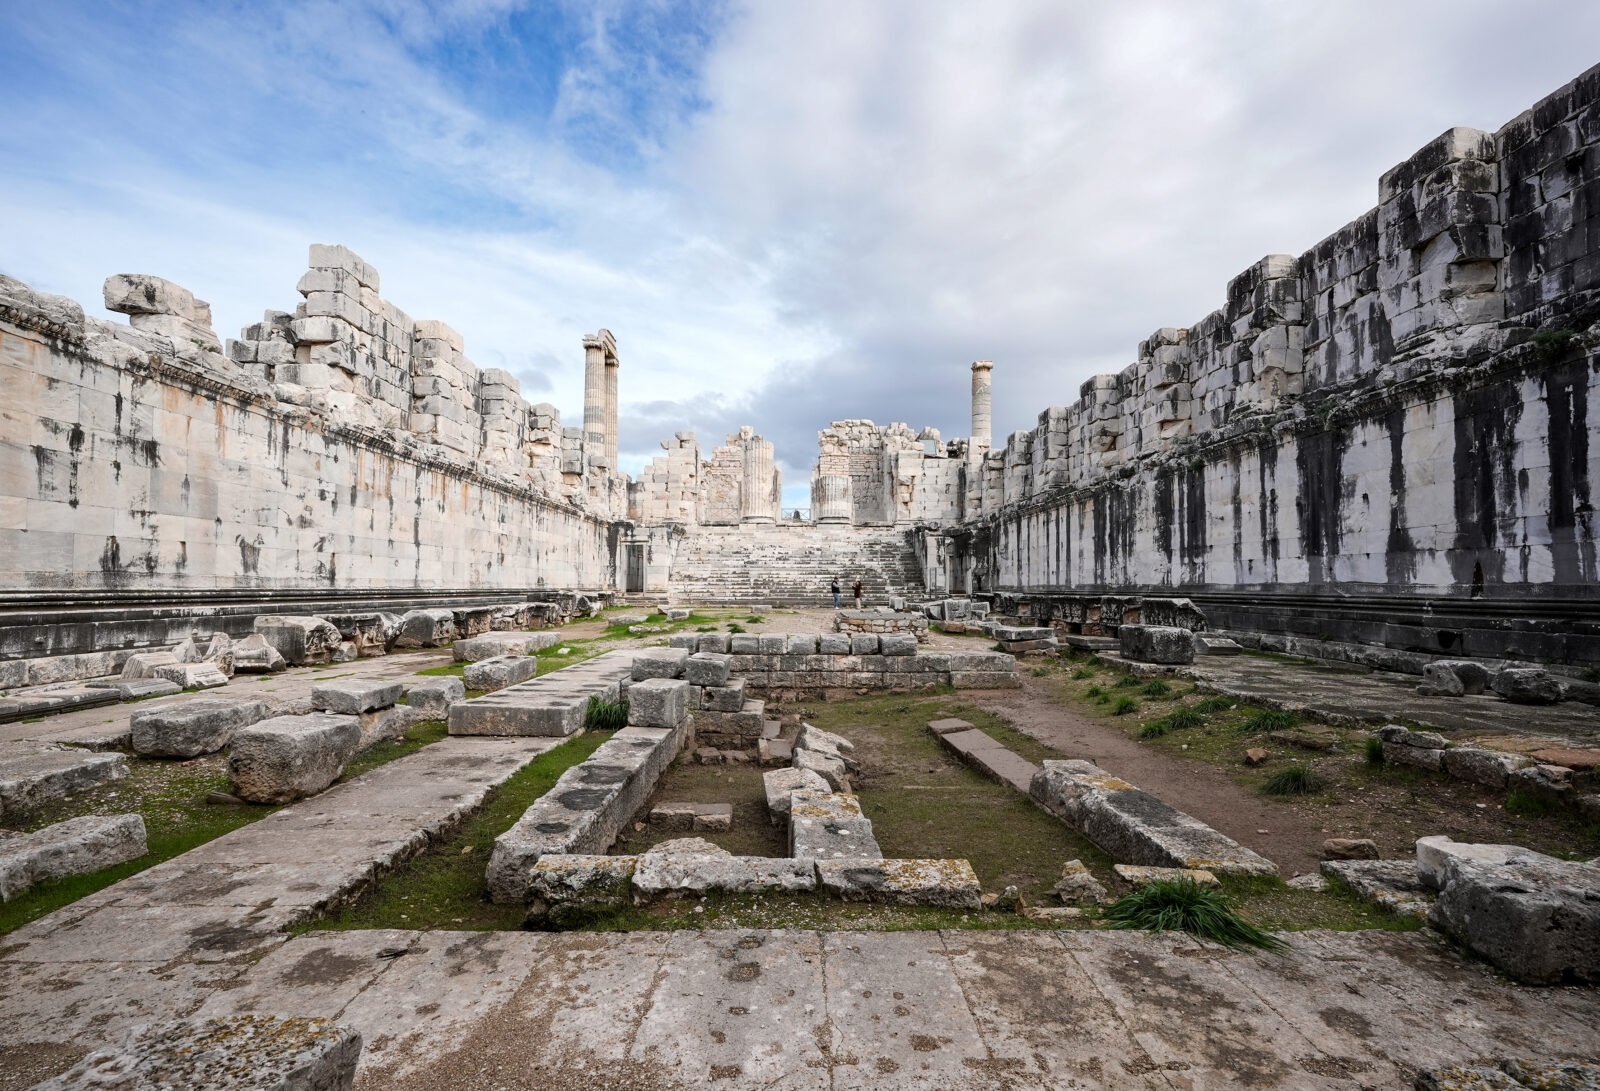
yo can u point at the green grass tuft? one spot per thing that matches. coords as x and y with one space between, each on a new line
604 715
1526 804
1181 719
1094 661
1128 681
1213 705
1156 688
1373 749
1094 691
735 627
1182 905
1153 730
1296 780
1081 673
1272 719
1124 706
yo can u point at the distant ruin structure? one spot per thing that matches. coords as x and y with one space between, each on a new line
1389 441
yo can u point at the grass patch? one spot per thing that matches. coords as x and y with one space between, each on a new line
1124 706
1271 719
1372 750
445 887
1154 729
418 735
452 670
1127 681
735 627
1156 688
1275 905
1183 719
1094 691
603 715
1526 804
1210 706
1182 905
1083 672
1094 661
1296 780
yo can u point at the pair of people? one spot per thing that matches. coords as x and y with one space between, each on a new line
854 590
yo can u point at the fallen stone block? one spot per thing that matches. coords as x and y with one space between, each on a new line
192 728
1210 644
1349 848
1419 757
493 644
676 874
1474 677
1551 783
383 724
1156 644
291 757
1433 853
949 726
489 675
1077 884
829 768
33 773
74 847
192 675
144 687
713 817
1389 884
659 663
1488 767
425 629
142 665
728 698
1528 686
781 784
815 738
708 669
237 1053
946 884
1438 680
1135 827
673 816
565 889
436 695
301 640
346 652
1538 919
1137 875
775 752
830 837
254 655
351 696
628 619
1404 736
1015 633
658 702
473 621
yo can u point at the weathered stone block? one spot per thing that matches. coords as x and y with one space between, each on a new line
669 874
192 675
1489 767
1538 919
801 644
947 884
435 696
489 675
1418 756
254 655
863 643
237 1053
74 847
1077 884
1528 686
1140 875
192 728
142 665
563 888
829 768
985 680
291 757
301 640
707 669
425 629
834 644
897 644
32 773
659 663
658 702
744 644
1389 884
781 784
815 837
493 644
1156 643
352 696
713 817
1438 680
714 642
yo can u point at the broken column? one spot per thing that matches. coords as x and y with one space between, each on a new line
599 394
982 376
830 487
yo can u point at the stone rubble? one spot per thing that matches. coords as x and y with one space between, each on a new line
290 757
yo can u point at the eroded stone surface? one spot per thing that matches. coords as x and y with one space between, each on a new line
192 728
74 847
291 757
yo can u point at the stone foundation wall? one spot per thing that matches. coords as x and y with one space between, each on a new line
1409 409
128 463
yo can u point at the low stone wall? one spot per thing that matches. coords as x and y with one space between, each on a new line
879 621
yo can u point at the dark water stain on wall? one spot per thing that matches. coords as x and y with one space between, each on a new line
1165 506
249 556
1192 528
1485 428
1268 511
1319 458
1400 557
1571 511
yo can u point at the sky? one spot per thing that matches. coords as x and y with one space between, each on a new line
787 214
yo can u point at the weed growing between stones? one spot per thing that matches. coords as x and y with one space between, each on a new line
1372 749
603 715
1094 691
1156 688
1296 780
1272 719
1124 706
418 735
1182 905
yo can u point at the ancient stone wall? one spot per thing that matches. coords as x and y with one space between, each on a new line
886 475
141 457
1411 406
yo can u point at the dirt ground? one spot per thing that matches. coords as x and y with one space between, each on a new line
1203 771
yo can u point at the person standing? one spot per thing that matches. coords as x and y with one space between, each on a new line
836 592
856 590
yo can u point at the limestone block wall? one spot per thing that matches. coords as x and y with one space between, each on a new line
133 459
669 489
1408 407
886 475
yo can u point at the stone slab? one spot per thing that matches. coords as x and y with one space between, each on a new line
666 875
33 773
948 884
74 847
434 696
191 728
498 672
291 757
492 644
352 696
1388 884
1138 875
781 784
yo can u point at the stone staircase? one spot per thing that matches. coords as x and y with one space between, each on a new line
792 565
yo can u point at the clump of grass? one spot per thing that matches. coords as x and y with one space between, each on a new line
1296 780
1181 719
1213 705
1272 719
1156 688
1374 750
1124 706
735 627
755 619
1153 730
705 629
1182 905
604 715
1081 673
1520 801
1094 691
1039 672
1127 681
1095 661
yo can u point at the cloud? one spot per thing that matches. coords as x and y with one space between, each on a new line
787 214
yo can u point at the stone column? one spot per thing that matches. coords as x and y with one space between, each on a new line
756 497
831 493
611 409
982 373
594 394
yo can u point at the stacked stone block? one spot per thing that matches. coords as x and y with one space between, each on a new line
843 664
669 488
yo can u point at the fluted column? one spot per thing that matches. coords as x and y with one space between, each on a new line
756 498
612 367
832 498
594 395
982 373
